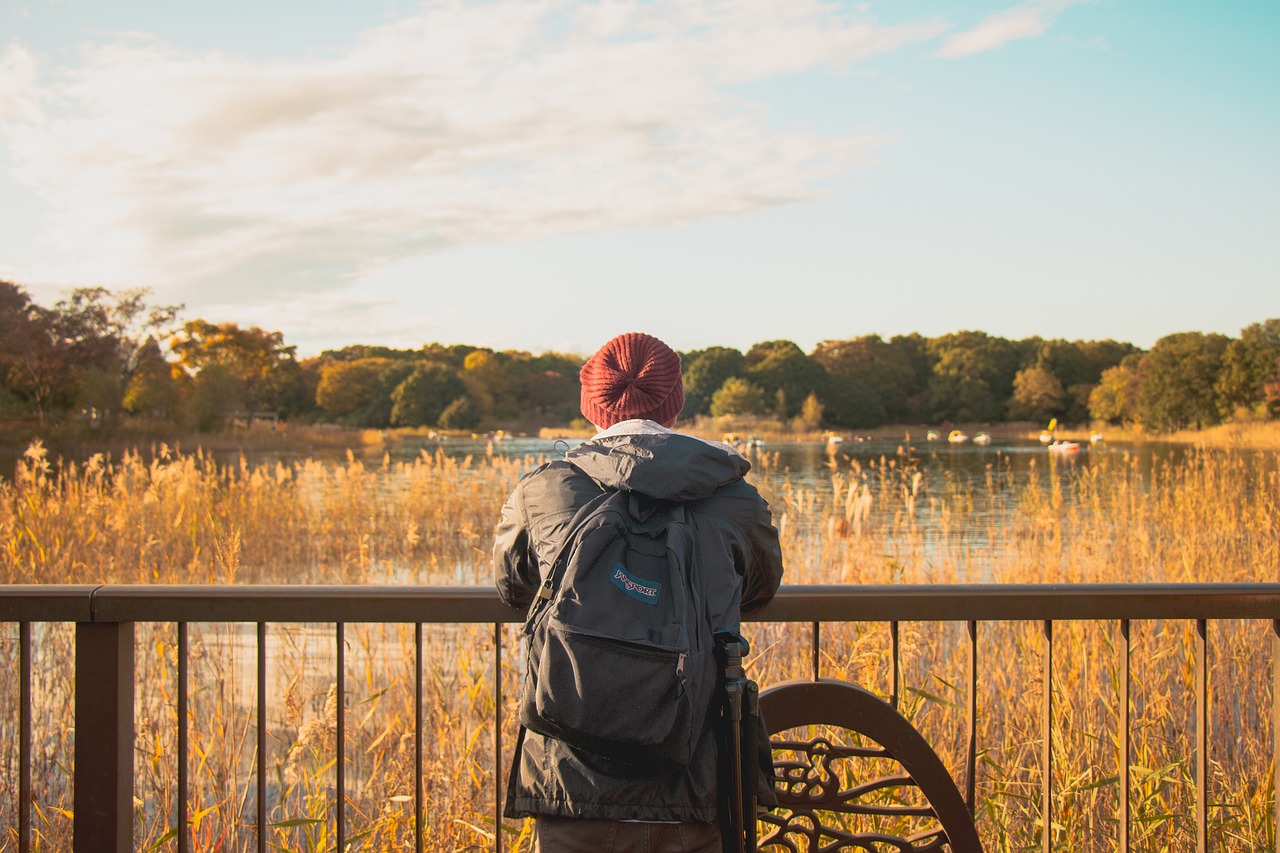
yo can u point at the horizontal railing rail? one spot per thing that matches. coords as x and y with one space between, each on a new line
104 658
793 603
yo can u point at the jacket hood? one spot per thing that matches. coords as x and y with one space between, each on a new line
669 466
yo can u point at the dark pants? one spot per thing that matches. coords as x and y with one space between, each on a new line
578 835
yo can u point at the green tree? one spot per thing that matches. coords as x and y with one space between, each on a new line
211 395
1248 364
424 394
1177 379
850 402
451 355
546 386
705 372
972 377
462 413
864 366
106 335
914 349
1067 363
1103 355
153 391
488 385
1037 395
785 374
738 396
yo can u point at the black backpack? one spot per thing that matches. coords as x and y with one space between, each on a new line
621 657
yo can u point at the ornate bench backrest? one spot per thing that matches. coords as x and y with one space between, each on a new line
857 776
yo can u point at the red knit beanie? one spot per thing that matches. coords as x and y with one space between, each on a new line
633 376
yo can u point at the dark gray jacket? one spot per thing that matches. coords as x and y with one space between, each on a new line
741 562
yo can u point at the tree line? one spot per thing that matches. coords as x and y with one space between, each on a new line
109 357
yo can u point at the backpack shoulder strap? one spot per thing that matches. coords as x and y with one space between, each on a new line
556 570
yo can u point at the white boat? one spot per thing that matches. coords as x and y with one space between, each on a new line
982 438
835 438
1064 447
957 437
1095 437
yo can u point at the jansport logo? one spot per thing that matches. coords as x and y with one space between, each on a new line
638 588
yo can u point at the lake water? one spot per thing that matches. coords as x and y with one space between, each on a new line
944 468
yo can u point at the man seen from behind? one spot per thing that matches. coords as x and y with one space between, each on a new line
632 392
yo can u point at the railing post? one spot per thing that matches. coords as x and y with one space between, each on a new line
1275 731
497 739
1202 735
971 714
1125 751
1046 749
104 738
24 737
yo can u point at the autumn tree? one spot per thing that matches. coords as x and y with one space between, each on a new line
83 350
1115 398
705 372
738 396
23 337
358 393
238 369
810 417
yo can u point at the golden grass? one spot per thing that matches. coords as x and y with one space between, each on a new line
184 519
1236 435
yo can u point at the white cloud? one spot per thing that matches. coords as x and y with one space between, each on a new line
461 124
17 81
1021 22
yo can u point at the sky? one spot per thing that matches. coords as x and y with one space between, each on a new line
545 174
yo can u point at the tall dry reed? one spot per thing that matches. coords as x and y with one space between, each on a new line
184 519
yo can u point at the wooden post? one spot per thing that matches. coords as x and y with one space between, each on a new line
104 738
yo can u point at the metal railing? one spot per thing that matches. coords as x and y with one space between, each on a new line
104 667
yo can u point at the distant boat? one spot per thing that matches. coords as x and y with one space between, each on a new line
982 438
756 441
1064 447
957 437
931 435
835 438
1095 437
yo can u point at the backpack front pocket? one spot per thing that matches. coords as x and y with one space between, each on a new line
639 709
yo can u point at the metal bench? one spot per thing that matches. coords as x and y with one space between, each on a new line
832 791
